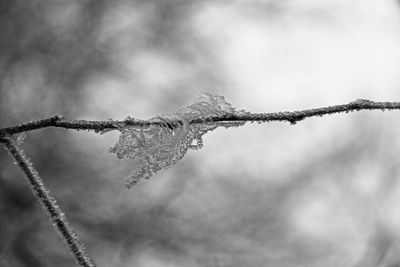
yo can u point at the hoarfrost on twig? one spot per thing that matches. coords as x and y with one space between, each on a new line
162 145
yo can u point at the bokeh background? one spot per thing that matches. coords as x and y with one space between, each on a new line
323 192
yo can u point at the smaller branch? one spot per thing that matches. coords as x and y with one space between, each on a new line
289 116
29 126
59 121
295 116
48 202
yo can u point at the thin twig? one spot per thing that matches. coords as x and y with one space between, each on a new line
48 202
288 116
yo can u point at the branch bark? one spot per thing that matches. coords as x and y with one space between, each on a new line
48 202
288 116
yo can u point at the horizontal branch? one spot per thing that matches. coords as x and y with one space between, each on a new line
288 116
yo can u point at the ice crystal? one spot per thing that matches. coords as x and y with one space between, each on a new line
20 138
169 136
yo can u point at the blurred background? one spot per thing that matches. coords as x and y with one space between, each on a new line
323 192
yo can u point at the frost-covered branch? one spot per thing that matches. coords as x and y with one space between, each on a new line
288 116
48 202
162 141
157 143
295 116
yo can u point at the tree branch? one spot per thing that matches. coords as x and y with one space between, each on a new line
288 116
48 202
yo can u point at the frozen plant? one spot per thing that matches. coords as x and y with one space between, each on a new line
162 145
157 143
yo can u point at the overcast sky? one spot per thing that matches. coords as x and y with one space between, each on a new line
323 192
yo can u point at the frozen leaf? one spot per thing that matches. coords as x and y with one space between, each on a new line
166 141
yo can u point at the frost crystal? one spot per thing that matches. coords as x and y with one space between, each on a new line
20 138
166 141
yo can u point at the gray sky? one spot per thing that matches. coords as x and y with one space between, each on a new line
319 193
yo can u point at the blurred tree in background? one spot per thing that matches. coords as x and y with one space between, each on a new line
321 193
